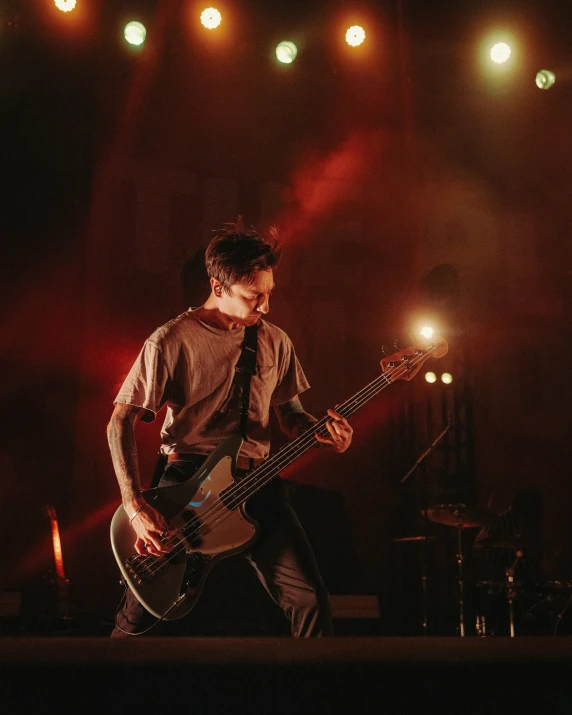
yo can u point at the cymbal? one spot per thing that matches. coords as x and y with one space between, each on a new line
458 515
414 538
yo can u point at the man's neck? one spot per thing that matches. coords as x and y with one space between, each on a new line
211 315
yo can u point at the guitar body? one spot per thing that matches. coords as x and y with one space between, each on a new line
209 528
207 512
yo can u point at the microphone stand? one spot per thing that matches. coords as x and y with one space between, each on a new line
428 451
424 593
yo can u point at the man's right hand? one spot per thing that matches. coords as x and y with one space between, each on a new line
153 533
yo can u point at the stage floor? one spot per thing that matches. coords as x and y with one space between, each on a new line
280 675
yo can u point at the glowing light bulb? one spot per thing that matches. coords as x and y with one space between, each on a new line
65 5
355 35
135 33
430 377
545 79
426 332
211 18
500 52
286 52
447 378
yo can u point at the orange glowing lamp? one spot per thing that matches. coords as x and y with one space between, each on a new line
211 18
65 5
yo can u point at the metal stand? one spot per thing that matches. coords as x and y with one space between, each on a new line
460 581
510 591
424 590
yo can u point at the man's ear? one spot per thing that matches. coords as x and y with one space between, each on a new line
216 286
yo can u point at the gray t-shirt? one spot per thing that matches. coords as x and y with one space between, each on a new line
189 366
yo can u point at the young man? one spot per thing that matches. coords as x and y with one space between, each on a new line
188 365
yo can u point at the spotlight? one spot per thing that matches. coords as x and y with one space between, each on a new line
430 377
500 53
211 18
426 332
65 5
545 79
286 52
447 378
135 33
355 35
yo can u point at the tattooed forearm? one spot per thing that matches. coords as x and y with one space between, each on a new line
293 419
123 447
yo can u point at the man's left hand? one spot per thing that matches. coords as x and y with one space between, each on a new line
340 430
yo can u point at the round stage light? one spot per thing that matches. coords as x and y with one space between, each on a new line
545 79
135 33
430 377
65 5
286 52
447 378
426 332
500 53
211 18
355 35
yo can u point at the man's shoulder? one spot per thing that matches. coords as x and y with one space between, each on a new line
173 330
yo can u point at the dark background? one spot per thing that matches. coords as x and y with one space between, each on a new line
408 179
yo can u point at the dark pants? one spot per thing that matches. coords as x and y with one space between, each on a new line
282 558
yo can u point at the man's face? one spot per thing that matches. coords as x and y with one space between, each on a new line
248 302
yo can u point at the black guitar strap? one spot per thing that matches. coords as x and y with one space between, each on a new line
246 366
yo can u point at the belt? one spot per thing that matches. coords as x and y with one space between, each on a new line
244 463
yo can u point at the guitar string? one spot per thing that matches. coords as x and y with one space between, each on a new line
293 449
288 453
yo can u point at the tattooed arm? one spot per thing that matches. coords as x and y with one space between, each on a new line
294 420
148 523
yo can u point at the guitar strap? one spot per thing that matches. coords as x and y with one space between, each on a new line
246 368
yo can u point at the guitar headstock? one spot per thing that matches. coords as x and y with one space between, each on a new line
405 364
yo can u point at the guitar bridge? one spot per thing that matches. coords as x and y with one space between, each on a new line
142 569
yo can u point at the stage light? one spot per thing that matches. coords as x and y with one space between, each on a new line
545 79
430 377
447 378
135 33
426 332
500 52
211 18
355 35
286 52
65 5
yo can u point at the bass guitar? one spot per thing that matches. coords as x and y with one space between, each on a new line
206 512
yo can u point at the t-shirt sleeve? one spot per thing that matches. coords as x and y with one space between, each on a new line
291 378
145 384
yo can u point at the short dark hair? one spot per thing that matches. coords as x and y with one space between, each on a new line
236 252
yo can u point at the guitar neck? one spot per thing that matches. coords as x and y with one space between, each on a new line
297 447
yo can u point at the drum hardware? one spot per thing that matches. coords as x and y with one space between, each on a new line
550 616
460 517
511 592
405 539
456 515
423 500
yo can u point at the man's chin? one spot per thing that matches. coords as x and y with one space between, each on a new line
245 322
